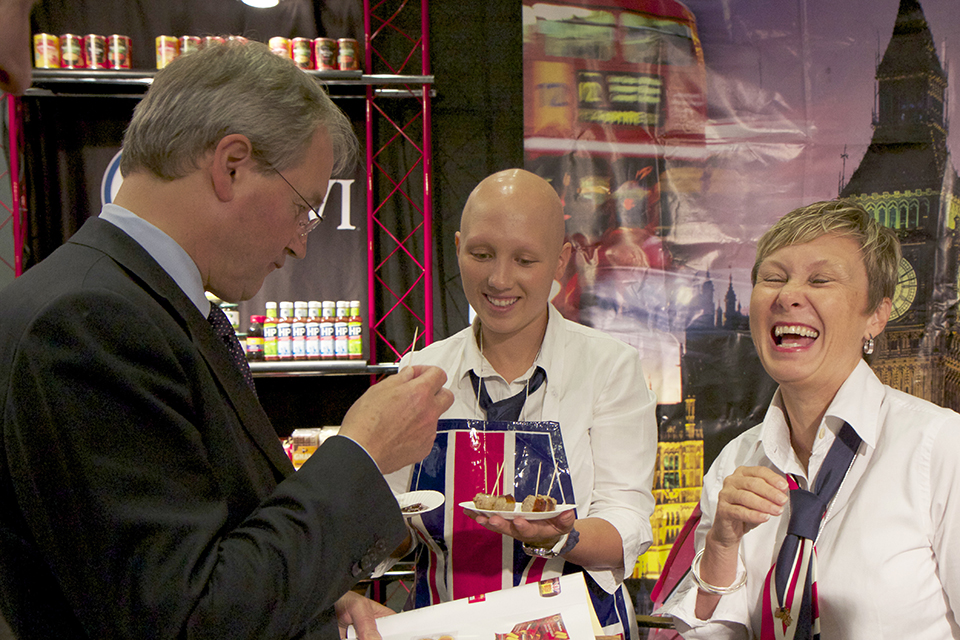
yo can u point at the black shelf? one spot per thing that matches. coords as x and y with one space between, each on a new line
105 83
319 368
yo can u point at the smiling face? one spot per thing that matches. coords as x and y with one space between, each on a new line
510 249
809 317
267 229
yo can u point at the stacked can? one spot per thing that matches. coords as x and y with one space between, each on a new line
208 40
189 44
302 52
71 52
119 51
280 46
46 51
347 56
325 54
95 51
168 48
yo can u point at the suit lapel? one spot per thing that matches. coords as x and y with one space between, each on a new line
105 237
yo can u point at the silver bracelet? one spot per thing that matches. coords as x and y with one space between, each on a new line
706 587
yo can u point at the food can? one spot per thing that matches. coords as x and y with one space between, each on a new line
168 48
347 58
280 46
325 53
118 52
302 50
189 44
95 51
46 51
71 52
236 39
209 40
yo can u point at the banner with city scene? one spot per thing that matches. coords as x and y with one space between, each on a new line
676 134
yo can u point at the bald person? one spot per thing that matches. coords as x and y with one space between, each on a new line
511 249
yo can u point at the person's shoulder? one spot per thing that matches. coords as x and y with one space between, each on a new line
439 353
927 412
594 338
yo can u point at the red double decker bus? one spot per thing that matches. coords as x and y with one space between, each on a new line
614 116
628 73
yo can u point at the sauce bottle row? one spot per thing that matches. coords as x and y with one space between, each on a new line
300 330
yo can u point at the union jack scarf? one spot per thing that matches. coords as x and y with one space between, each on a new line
790 608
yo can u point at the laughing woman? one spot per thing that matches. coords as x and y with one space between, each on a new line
839 514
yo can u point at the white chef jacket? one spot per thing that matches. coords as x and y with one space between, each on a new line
596 390
888 558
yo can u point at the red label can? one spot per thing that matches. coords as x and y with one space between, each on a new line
302 49
118 51
347 59
209 40
71 52
189 44
325 53
95 51
168 48
46 51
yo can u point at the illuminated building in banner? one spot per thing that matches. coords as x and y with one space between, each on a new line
907 180
677 482
725 390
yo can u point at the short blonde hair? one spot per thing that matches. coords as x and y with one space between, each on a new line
879 247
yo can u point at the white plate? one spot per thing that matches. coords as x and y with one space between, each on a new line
428 501
510 515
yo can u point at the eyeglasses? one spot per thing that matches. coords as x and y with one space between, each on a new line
314 217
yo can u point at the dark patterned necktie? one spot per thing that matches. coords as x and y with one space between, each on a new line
224 330
790 607
508 409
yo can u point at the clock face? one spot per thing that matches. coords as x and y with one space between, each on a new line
906 290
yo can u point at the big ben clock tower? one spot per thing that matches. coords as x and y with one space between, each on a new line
908 182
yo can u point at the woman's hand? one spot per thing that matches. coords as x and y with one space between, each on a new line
750 495
539 533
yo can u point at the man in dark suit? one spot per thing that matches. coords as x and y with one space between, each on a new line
143 491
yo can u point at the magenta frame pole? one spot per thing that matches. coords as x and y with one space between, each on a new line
13 118
427 180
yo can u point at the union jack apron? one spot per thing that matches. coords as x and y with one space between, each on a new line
456 557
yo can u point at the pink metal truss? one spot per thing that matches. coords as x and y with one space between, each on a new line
12 213
392 22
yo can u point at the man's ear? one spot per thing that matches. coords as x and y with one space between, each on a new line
232 157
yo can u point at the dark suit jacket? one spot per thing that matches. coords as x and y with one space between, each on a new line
143 491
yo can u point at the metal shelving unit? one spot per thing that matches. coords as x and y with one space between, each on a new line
384 79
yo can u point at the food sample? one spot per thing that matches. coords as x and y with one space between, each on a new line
538 503
412 508
491 502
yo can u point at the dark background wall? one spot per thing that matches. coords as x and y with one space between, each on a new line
477 128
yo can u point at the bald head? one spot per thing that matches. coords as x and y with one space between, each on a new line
516 196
